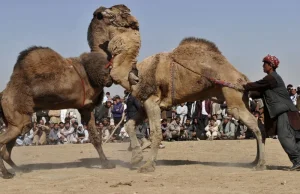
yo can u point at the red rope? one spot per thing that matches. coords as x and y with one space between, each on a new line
110 63
82 81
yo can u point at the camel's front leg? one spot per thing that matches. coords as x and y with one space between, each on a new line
96 138
248 119
153 111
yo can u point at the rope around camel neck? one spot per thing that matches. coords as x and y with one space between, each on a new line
213 80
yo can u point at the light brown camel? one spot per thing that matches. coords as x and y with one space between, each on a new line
170 78
43 79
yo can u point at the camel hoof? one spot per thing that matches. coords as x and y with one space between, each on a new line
260 166
8 175
108 165
137 156
148 167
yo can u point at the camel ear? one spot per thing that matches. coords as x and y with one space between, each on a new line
122 8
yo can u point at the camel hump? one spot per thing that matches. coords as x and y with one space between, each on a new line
33 49
201 43
198 54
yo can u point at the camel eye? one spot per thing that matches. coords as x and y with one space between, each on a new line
99 16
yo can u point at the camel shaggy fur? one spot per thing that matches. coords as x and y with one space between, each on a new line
163 81
43 79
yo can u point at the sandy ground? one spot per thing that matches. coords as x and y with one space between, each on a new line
182 167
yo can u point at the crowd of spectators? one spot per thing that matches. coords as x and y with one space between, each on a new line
199 120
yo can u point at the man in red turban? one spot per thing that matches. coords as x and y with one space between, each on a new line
281 115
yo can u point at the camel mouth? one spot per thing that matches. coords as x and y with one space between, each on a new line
110 82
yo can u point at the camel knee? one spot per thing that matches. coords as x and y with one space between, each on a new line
234 112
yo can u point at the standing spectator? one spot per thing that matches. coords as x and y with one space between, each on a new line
103 111
294 96
189 108
74 114
63 114
182 111
43 114
117 112
200 130
106 97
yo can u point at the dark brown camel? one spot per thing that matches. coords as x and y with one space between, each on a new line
43 79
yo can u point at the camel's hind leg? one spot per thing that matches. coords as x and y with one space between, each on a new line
239 110
95 137
130 127
7 149
6 153
153 112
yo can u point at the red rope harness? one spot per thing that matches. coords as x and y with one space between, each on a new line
110 63
81 79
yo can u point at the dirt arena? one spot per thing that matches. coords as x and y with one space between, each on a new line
182 167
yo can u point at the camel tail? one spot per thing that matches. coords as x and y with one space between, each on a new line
1 110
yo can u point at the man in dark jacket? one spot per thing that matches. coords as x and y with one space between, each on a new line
280 112
133 106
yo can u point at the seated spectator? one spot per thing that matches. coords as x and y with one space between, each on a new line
164 128
173 131
212 129
67 134
29 136
107 130
82 135
215 117
123 135
61 126
227 129
54 135
189 129
40 135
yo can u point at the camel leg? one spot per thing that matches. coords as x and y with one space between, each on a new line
96 138
153 112
249 120
7 137
7 149
130 127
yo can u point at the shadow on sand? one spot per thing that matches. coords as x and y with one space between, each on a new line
95 163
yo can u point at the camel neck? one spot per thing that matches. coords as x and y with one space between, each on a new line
124 57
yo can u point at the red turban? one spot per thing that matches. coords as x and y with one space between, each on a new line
272 60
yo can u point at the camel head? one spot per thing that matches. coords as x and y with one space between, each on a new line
108 23
94 64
